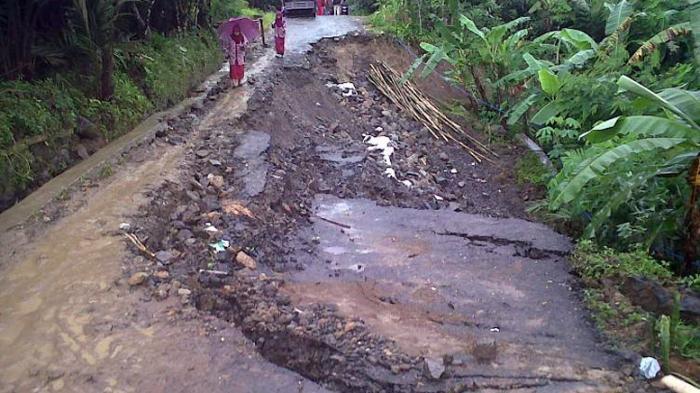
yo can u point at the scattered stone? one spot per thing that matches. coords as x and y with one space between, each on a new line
87 129
137 278
164 257
198 105
434 368
82 152
215 162
202 153
246 260
461 184
184 292
443 156
162 274
216 180
162 292
386 113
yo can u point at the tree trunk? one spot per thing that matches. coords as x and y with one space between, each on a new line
476 75
145 28
693 218
107 73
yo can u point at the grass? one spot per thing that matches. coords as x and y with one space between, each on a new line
253 13
625 324
529 170
38 118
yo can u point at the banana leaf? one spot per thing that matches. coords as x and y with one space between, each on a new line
568 191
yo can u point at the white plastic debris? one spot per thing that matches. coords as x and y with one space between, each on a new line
381 143
347 89
125 226
453 171
438 198
407 183
358 267
210 228
494 330
649 367
390 173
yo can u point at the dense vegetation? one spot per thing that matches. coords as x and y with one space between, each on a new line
611 92
71 68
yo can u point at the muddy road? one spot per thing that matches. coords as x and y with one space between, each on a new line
279 256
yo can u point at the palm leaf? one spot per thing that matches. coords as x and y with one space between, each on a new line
547 112
599 165
521 108
632 86
549 81
578 39
642 126
694 11
471 26
687 101
412 69
662 37
581 57
618 13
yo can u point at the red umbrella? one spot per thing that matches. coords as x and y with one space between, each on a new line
249 28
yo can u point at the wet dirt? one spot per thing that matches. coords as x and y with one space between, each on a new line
280 257
357 281
69 321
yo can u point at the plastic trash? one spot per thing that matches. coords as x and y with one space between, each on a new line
380 143
649 367
220 246
210 228
346 89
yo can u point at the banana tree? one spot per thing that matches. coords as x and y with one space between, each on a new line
644 150
573 49
96 24
481 56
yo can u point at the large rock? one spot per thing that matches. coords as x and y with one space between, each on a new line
655 298
434 368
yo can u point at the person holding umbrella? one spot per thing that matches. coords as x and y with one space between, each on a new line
234 35
280 27
236 56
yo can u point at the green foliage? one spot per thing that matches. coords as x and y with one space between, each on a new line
664 326
597 262
530 170
665 143
164 61
44 113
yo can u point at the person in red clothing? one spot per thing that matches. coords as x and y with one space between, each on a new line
280 27
236 56
319 7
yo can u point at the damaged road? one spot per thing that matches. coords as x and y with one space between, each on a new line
279 251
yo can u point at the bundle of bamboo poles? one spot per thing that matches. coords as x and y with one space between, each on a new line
412 101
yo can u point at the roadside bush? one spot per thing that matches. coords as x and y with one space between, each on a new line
168 67
38 119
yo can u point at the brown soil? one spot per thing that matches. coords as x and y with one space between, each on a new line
314 132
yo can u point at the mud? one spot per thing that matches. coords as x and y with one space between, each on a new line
280 257
361 283
69 320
